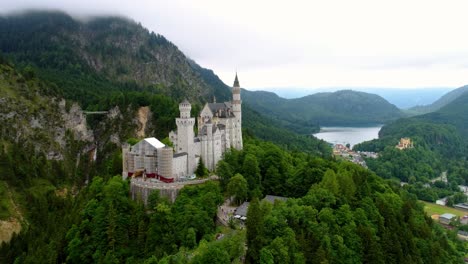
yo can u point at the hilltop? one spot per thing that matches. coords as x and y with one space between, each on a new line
101 52
341 108
441 102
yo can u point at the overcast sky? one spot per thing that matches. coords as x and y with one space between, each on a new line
304 44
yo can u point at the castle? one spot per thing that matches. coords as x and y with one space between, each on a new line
404 143
219 129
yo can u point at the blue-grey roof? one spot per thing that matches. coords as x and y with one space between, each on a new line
221 109
447 216
180 154
242 209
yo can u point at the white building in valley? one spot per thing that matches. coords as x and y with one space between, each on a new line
219 129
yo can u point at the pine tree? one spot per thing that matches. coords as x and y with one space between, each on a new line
201 171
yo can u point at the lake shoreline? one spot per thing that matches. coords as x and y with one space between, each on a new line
348 135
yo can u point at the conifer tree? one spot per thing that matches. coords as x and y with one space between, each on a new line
201 171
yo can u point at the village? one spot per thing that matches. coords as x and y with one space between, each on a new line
345 152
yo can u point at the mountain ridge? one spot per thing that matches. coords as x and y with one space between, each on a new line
441 102
342 108
116 48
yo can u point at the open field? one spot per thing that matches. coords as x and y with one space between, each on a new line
432 208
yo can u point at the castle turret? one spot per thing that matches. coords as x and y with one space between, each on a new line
185 134
165 162
237 111
185 107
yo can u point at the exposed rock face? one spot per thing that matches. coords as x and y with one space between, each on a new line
8 228
75 121
143 115
12 225
29 117
114 113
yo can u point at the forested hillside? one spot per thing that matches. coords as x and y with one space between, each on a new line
111 61
341 108
441 102
440 144
97 54
337 213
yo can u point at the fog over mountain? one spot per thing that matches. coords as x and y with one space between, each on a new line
305 44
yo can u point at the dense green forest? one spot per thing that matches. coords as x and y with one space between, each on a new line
337 213
74 209
341 108
440 145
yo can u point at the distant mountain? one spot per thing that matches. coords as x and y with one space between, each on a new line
441 102
406 98
401 97
454 113
341 108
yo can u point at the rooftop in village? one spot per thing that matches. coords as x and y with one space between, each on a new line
447 216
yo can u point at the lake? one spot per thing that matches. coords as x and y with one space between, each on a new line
345 135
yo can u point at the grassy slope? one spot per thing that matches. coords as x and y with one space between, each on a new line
432 208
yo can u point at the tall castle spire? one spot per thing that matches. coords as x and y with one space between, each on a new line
236 81
237 110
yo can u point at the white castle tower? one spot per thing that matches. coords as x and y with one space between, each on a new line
185 135
219 129
237 110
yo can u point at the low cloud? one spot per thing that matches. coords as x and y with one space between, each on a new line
303 43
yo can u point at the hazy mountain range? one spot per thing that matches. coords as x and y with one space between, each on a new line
400 97
341 108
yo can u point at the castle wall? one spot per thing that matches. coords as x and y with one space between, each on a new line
139 162
179 166
150 164
173 138
217 149
197 148
140 191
